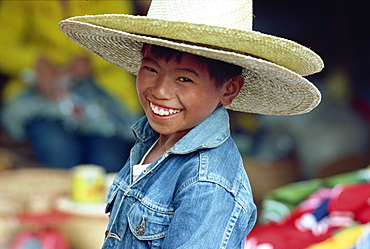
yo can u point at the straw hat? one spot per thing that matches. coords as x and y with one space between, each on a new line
217 29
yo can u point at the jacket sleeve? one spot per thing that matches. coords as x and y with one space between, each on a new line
208 216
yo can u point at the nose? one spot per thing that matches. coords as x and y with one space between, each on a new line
162 88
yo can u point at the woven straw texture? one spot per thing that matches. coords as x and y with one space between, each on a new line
273 66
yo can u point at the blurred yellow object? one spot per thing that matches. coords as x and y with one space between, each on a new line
29 29
85 217
344 239
88 183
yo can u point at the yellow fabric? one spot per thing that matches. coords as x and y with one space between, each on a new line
344 239
29 29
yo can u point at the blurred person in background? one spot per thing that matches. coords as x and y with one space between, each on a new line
63 100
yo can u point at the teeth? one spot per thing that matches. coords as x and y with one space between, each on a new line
162 112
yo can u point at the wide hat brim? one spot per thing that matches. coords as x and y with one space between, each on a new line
272 67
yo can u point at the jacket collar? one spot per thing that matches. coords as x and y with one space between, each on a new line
210 133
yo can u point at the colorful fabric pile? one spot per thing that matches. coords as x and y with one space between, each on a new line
330 213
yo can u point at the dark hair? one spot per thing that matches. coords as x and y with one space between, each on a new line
220 71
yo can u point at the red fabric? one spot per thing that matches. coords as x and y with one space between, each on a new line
348 203
353 198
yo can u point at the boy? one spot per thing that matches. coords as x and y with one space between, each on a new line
184 185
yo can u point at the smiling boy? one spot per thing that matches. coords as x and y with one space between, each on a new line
177 95
184 185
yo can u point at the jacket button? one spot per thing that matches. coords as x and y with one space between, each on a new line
140 229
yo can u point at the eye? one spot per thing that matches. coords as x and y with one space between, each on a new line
150 69
184 79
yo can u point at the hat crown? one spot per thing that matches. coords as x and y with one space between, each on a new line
235 14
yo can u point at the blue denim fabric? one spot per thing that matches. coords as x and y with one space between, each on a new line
197 195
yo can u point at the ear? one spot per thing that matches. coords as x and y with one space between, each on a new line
232 89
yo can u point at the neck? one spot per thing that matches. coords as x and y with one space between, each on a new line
168 141
164 143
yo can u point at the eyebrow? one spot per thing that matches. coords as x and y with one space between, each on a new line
189 70
149 60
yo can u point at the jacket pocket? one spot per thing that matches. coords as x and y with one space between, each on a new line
147 223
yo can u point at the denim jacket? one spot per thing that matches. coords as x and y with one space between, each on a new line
197 195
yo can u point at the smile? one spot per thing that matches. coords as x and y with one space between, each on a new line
162 111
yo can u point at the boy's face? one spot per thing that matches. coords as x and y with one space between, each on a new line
176 96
